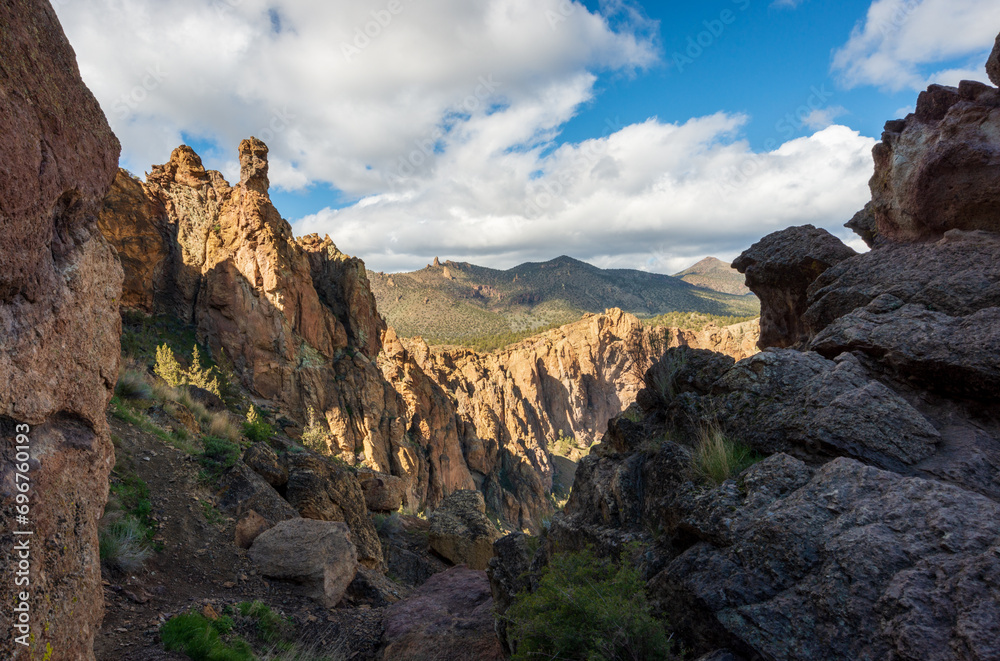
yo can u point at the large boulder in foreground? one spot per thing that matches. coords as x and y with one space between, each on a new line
857 563
448 617
320 489
461 531
60 284
779 269
318 554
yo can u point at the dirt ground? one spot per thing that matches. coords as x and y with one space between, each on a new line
199 564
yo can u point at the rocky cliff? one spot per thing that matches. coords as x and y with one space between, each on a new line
298 319
60 285
866 525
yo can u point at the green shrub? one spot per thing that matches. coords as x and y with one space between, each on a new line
718 458
587 609
315 435
217 455
271 628
256 428
201 639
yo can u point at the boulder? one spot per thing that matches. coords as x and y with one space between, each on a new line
320 489
383 493
60 287
240 490
856 563
249 528
212 402
461 531
265 462
803 404
318 554
448 617
779 269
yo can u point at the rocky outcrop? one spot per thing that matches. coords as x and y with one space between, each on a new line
132 220
448 617
779 270
865 527
824 570
318 554
461 532
939 169
993 64
60 285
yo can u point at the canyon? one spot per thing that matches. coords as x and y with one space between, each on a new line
300 324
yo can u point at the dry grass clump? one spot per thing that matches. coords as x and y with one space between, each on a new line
718 458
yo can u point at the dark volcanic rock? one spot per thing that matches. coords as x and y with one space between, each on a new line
857 564
993 64
265 462
958 275
60 285
448 617
908 340
803 404
460 530
240 490
779 269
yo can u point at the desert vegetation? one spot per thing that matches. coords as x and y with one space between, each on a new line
587 608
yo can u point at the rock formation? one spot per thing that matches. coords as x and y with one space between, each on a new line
448 617
461 532
867 528
298 320
318 554
60 285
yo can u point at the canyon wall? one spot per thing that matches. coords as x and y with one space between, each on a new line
298 320
60 284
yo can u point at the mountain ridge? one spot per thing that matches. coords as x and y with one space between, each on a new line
455 302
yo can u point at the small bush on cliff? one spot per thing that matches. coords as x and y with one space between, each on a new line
133 385
256 428
315 434
167 367
122 542
717 458
587 609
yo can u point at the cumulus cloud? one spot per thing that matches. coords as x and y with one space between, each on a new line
653 195
339 90
900 43
447 132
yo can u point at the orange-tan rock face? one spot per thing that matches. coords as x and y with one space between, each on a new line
299 321
132 220
60 284
509 405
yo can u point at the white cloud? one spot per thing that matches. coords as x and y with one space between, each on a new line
653 195
820 118
446 130
900 41
786 4
339 90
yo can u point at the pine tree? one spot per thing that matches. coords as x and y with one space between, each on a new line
167 367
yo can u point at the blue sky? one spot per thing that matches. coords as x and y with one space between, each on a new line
637 135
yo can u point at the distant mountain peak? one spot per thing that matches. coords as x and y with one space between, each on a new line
713 273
